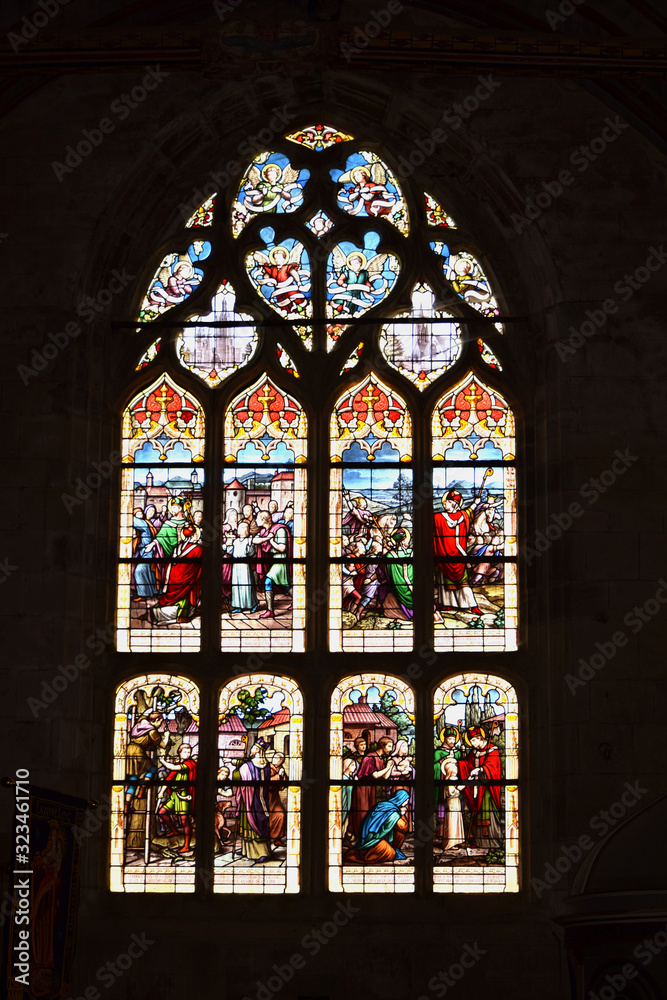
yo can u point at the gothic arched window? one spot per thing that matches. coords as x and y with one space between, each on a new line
318 463
153 798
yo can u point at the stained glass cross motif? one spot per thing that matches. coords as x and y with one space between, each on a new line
473 396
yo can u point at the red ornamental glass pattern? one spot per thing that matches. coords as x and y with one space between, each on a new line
374 406
473 397
165 408
319 137
265 405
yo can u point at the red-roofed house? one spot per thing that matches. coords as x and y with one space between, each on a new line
276 731
232 737
361 720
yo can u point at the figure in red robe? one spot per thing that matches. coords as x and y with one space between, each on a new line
182 583
450 543
483 801
284 275
364 796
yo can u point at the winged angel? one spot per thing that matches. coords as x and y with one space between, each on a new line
176 279
272 189
288 283
366 191
356 283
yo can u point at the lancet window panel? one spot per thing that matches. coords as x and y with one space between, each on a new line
476 790
257 817
153 796
263 517
161 517
370 521
372 791
474 520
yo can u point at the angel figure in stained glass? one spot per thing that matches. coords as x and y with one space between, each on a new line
273 189
281 271
366 191
357 279
469 281
175 282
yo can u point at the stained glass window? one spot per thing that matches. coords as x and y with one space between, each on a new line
258 790
436 215
203 216
175 280
264 521
370 518
149 355
215 353
358 278
418 344
162 509
368 189
474 535
153 798
476 771
468 280
331 289
318 137
270 185
281 276
371 797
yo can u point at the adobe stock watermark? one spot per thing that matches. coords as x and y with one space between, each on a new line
616 982
443 981
110 972
603 821
581 158
625 288
454 117
32 24
362 36
565 9
606 651
251 147
591 491
87 309
84 488
312 944
65 675
121 107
